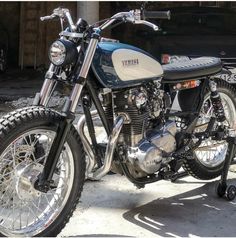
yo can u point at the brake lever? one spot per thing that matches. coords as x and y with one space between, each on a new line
147 23
46 18
135 18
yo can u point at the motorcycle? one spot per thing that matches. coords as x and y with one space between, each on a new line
45 159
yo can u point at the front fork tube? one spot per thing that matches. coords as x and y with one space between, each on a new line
45 178
42 98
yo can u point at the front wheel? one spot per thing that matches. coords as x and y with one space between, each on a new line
26 136
208 159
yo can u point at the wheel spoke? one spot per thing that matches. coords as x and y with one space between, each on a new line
6 190
212 146
40 210
33 213
22 208
20 214
212 153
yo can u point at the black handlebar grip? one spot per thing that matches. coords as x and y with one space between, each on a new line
157 14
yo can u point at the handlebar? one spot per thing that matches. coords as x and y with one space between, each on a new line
46 18
61 13
156 14
134 16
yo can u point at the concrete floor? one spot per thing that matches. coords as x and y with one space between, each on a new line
113 207
16 83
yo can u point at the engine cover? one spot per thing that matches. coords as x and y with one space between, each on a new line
147 156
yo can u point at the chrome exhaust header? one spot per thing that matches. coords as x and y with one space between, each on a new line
90 162
111 145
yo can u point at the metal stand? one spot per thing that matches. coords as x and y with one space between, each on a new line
222 189
222 186
179 175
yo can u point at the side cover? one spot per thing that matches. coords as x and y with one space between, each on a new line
119 65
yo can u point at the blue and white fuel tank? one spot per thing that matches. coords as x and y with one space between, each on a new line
119 65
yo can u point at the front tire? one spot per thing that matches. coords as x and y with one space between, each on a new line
200 166
24 211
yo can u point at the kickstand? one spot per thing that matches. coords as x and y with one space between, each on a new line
222 189
179 175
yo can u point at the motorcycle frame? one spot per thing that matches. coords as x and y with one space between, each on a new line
193 113
68 111
68 117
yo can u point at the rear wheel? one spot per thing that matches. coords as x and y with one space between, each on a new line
208 159
26 136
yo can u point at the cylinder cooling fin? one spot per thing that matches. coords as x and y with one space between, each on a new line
133 103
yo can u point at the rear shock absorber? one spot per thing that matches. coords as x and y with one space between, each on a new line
218 108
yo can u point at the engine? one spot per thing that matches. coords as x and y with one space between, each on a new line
147 156
138 105
145 144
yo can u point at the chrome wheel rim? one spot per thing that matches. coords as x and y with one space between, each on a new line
25 211
212 153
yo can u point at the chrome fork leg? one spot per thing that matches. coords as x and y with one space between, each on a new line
48 86
75 96
46 91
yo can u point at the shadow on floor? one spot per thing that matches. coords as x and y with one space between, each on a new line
198 212
100 235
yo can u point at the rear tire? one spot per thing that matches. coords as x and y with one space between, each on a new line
194 166
14 125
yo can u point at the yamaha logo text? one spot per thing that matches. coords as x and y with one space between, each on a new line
130 62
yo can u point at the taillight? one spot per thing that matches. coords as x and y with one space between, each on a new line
186 84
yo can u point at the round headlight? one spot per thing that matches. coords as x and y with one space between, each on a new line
57 53
63 52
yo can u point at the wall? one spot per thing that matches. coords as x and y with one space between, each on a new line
9 19
37 36
12 17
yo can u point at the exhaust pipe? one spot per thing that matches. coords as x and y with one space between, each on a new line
112 141
111 145
90 163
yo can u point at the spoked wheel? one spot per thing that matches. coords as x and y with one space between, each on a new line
210 155
26 136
